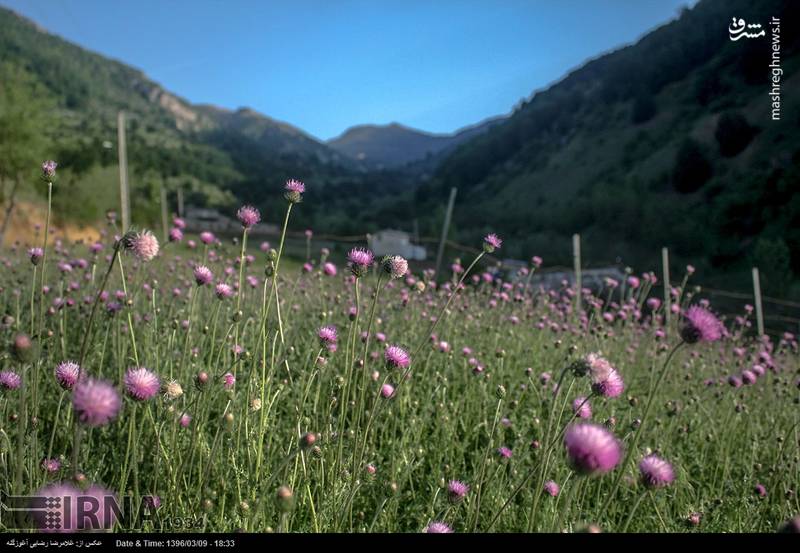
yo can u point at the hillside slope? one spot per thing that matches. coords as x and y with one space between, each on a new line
668 142
395 145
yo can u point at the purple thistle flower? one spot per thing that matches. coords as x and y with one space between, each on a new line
327 335
360 260
49 169
491 243
152 502
144 245
760 490
248 216
207 238
437 527
175 234
748 377
582 408
9 380
293 185
395 266
387 391
293 191
457 491
228 380
592 449
35 255
612 386
656 472
96 402
51 465
329 269
396 357
551 488
141 383
223 291
504 452
735 381
67 374
203 275
701 326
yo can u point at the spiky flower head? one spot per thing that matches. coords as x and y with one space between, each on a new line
96 402
228 380
396 357
327 335
223 291
611 386
551 488
141 383
491 243
49 170
207 238
172 390
9 380
175 234
144 244
51 465
437 527
249 216
457 491
293 191
395 266
701 326
360 260
656 472
203 275
35 255
592 449
582 408
67 373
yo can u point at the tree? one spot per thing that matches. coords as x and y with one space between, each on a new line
733 133
21 135
692 169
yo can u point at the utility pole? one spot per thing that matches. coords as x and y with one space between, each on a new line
124 198
759 308
164 223
448 215
576 259
667 287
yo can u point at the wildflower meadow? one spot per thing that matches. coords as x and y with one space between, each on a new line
210 384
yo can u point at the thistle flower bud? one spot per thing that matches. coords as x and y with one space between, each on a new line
23 348
285 498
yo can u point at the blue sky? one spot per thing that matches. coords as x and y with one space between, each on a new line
324 66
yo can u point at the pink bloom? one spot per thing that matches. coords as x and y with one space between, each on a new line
701 326
656 472
141 384
581 408
96 402
9 380
207 238
203 275
144 245
329 269
592 449
387 391
491 243
223 291
551 488
249 216
228 380
67 374
396 357
437 527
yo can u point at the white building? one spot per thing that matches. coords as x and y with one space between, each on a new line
395 242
